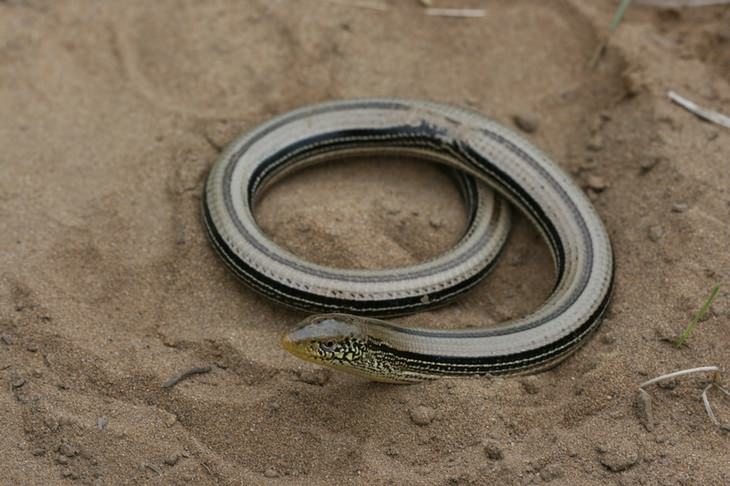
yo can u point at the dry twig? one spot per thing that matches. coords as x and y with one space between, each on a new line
704 113
705 399
455 12
369 4
186 374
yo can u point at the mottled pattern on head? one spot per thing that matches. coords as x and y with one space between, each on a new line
334 339
342 342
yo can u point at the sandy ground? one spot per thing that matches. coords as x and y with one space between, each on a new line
112 113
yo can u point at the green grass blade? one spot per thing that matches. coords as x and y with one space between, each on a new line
691 327
620 11
619 15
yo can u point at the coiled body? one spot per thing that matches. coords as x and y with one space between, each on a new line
378 349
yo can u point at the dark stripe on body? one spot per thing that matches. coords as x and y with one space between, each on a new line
332 141
318 303
425 363
424 136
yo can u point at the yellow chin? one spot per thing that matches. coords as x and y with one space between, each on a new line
300 349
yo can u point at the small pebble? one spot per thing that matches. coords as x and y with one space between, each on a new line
391 451
596 183
436 223
32 347
668 385
67 449
526 123
493 451
589 164
664 332
66 420
634 83
19 382
422 415
101 422
647 165
619 456
39 452
172 459
62 460
644 409
171 420
51 423
271 473
679 207
319 376
551 472
531 384
217 133
596 124
655 233
595 143
608 339
7 339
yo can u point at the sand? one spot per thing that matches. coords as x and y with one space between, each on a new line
112 114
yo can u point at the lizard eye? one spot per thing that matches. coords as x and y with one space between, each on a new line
329 345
